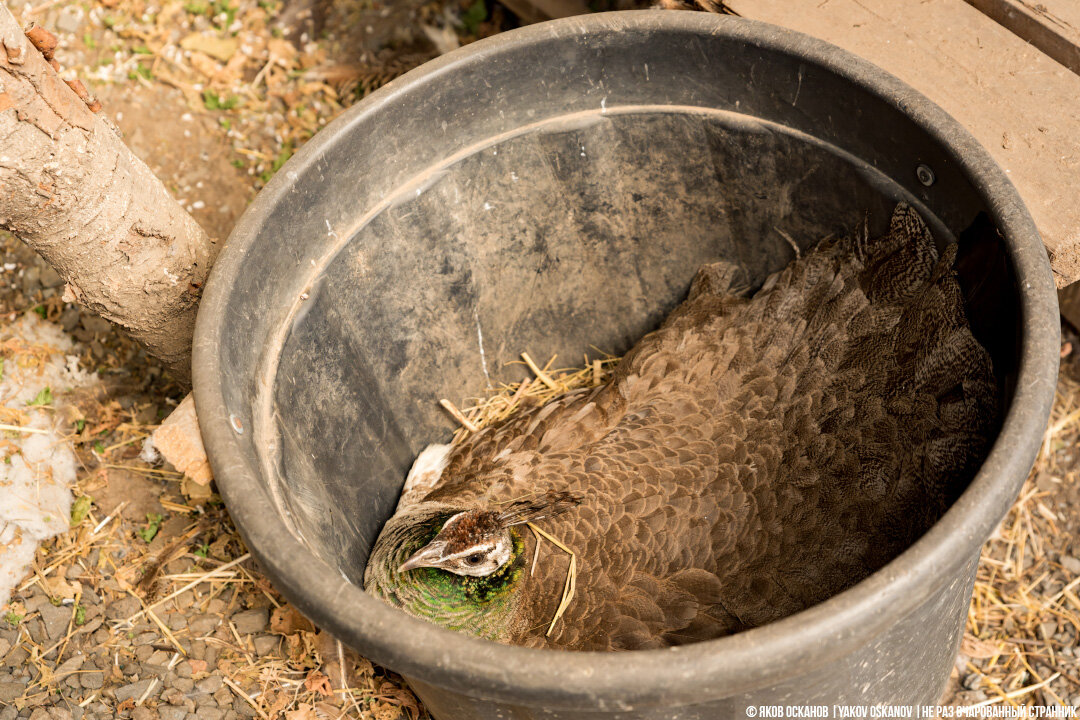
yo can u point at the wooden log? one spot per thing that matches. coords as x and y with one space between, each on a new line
1053 26
1023 106
72 191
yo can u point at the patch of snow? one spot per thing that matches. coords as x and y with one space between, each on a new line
38 468
149 453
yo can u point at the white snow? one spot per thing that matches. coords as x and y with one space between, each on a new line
37 469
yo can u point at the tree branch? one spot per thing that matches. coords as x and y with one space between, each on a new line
71 190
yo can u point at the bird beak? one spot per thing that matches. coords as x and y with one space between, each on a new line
427 556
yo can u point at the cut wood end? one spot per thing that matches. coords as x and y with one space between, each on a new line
179 441
42 39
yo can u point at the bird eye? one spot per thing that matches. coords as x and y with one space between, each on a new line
474 559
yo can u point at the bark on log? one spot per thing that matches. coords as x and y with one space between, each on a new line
71 190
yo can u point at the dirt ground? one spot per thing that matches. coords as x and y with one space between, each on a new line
150 607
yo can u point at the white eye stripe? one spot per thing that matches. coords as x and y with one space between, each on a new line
483 550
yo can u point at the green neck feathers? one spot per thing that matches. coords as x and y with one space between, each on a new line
482 606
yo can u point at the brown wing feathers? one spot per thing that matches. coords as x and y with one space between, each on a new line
753 456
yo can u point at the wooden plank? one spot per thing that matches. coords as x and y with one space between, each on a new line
1053 26
1069 302
534 11
1021 105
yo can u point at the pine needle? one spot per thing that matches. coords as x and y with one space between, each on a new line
21 429
571 574
458 415
507 399
540 374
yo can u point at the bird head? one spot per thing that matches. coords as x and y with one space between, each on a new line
459 567
474 543
478 542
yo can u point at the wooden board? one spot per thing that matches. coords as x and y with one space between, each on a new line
1023 106
1053 26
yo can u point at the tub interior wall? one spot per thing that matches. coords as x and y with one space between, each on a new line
576 237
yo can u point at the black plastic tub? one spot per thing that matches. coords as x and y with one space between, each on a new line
555 188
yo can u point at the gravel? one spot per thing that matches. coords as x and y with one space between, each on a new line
209 685
251 622
135 690
167 712
10 690
266 644
92 680
56 621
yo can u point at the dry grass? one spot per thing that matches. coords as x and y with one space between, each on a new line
1023 622
571 573
505 399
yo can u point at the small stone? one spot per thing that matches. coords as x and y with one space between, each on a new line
223 697
169 712
242 709
9 713
143 713
209 685
99 326
177 622
39 714
56 621
1046 482
203 624
11 690
135 690
1071 564
159 659
122 609
70 666
59 713
251 622
266 644
143 653
145 639
92 680
69 318
17 657
184 684
4 647
183 601
209 713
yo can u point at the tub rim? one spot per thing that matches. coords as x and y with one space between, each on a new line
688 674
